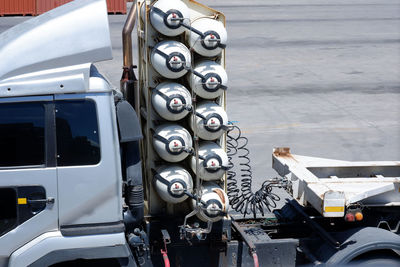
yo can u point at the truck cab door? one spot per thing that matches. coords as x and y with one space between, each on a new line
28 178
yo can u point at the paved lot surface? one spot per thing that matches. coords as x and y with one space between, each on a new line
322 77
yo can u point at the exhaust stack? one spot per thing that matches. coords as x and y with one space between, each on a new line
129 82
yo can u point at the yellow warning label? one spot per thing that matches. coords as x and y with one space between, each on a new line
334 209
22 201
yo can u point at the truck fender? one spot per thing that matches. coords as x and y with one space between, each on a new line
361 241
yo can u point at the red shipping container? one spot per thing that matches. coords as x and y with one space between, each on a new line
17 7
43 6
114 6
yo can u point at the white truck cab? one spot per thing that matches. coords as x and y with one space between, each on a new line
60 166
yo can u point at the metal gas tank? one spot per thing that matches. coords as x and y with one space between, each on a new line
171 59
172 142
213 161
211 41
208 79
216 203
210 121
171 183
167 16
171 100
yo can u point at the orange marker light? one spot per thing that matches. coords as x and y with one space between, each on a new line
359 216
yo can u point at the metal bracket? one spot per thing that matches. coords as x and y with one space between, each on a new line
188 232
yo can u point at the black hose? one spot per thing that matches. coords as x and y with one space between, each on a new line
133 217
244 200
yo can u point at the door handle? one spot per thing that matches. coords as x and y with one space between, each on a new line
49 200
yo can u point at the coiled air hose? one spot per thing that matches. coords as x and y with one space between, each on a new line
243 199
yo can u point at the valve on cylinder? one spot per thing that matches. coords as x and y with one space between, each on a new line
172 183
214 203
171 101
172 142
213 161
207 36
210 121
208 79
167 16
171 59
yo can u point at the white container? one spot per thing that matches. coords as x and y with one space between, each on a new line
213 161
171 142
210 121
167 16
171 59
170 100
213 39
216 203
171 182
208 79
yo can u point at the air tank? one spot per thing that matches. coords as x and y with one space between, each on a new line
172 142
209 37
171 183
167 16
214 202
171 59
210 121
213 161
171 100
208 79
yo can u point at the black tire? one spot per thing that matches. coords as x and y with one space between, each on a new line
381 259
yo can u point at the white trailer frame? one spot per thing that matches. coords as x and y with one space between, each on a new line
331 186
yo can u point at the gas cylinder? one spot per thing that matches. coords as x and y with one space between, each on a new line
210 120
171 100
208 38
213 161
208 79
167 16
172 142
214 203
171 183
171 59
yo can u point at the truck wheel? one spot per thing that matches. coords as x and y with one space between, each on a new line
377 259
364 245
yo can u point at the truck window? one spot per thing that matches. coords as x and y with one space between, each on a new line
77 133
22 134
8 214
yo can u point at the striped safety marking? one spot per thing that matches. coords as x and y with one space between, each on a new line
334 209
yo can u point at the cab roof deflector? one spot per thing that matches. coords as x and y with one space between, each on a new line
55 50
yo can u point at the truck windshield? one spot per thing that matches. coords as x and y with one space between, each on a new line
22 134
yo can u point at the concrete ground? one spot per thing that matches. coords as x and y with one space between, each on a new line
321 77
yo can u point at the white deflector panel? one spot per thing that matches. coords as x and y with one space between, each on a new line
71 35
